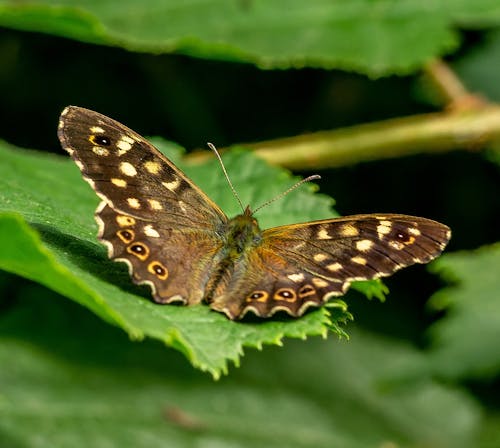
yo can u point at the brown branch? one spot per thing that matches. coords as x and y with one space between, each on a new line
431 133
450 87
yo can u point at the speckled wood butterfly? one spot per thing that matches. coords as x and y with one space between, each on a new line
175 239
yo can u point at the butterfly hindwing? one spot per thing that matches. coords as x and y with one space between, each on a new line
158 256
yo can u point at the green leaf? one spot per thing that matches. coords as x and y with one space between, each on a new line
477 67
60 251
490 430
68 380
465 341
369 36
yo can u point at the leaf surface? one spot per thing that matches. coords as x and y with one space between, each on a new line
60 250
377 37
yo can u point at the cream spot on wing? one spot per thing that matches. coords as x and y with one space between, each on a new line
150 231
155 205
125 221
128 169
319 282
96 130
119 182
182 206
364 245
100 151
134 202
383 228
349 230
152 167
79 165
320 257
128 139
323 234
414 231
172 186
359 260
299 245
398 245
334 267
123 146
296 278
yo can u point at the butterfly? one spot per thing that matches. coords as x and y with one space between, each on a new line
175 239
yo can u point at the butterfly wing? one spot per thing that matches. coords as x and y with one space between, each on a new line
152 216
131 175
175 263
306 264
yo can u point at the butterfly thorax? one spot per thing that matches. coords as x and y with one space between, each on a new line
240 235
241 232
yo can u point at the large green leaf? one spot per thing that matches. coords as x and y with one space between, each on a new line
372 36
465 342
68 380
60 250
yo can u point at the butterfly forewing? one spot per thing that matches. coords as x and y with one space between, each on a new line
152 216
131 175
360 246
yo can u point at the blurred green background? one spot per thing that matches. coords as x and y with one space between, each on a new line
69 379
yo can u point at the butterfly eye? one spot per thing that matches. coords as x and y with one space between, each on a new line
139 250
306 291
101 140
158 269
287 295
259 296
405 238
125 235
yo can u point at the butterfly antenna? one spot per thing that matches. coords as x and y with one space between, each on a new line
293 187
214 149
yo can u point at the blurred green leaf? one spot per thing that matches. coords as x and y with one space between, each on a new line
490 431
49 193
478 67
465 341
370 36
76 382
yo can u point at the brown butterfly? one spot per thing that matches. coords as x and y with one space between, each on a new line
175 239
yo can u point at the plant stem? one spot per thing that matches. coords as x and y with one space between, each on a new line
450 87
468 129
